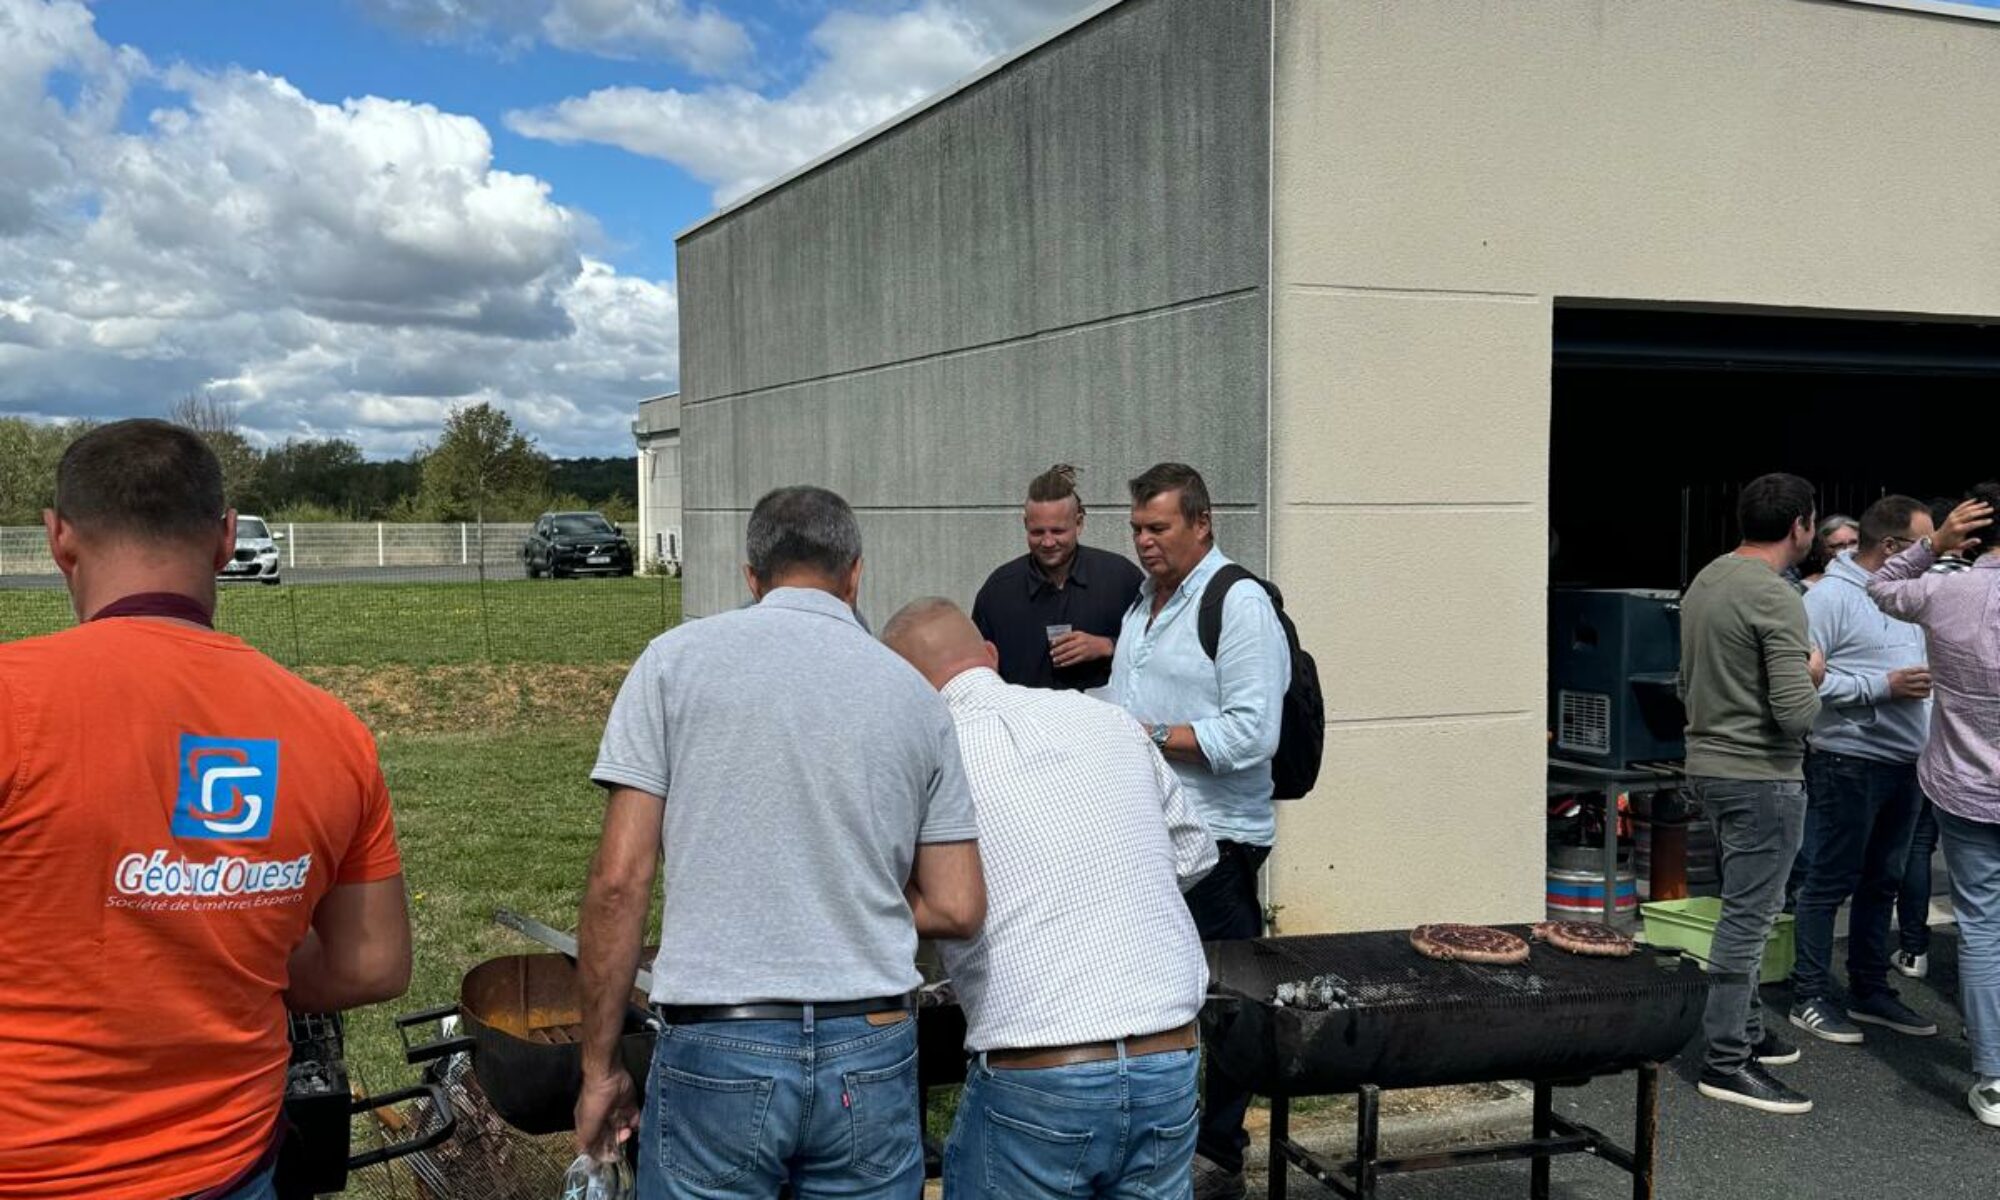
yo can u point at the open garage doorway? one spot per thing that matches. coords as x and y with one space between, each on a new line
1660 415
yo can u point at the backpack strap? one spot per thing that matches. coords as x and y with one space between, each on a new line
1209 618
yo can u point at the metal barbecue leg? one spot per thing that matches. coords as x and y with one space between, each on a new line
1281 1132
1367 1139
1538 1167
1610 852
1646 1132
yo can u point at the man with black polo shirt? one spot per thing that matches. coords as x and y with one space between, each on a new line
1054 612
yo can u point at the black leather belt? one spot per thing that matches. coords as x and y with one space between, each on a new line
695 1014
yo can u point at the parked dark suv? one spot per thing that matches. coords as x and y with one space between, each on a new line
575 543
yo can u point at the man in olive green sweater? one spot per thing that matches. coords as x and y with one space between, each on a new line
1750 680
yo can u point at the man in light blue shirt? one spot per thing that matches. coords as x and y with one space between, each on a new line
1217 722
1862 794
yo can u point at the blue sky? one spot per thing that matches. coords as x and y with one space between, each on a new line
347 217
333 51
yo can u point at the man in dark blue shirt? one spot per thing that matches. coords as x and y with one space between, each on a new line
1054 612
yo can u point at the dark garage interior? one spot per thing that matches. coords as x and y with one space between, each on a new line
1659 416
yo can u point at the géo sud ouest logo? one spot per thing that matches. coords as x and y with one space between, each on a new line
226 791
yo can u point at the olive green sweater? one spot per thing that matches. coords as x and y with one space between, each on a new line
1750 698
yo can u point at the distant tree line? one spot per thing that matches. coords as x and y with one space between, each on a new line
481 467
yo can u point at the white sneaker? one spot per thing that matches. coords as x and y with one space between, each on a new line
1911 966
1984 1097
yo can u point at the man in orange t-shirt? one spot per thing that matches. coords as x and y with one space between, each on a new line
192 840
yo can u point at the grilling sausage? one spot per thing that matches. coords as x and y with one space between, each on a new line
1584 937
1468 943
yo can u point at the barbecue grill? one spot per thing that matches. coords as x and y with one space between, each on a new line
1401 1020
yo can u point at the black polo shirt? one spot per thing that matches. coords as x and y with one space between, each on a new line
1016 606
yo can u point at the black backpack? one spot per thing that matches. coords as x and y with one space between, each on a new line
1302 734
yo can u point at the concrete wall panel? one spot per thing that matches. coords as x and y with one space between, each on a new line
1391 841
1063 262
1411 398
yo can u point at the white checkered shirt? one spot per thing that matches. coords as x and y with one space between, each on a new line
1087 843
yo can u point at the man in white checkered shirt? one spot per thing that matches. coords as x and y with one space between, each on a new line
1081 990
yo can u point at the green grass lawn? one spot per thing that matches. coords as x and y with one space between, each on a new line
363 624
485 821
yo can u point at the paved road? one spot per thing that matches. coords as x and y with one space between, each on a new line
309 575
1889 1120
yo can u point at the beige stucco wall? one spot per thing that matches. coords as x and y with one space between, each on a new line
1443 172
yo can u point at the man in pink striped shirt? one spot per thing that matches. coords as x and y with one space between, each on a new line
1960 766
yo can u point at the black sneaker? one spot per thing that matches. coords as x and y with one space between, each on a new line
1883 1008
1753 1087
1822 1019
1212 1182
1774 1051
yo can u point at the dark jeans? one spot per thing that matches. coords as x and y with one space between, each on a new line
1859 815
1225 908
1913 899
1758 826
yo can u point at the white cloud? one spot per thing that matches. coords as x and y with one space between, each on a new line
1014 22
697 36
870 66
349 269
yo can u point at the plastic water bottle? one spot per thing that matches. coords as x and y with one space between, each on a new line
589 1179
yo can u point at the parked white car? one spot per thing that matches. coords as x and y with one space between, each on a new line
256 554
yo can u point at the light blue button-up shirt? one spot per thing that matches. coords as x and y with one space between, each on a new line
1235 703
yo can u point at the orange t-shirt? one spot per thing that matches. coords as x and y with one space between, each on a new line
173 805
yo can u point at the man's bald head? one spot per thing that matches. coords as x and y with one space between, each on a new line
938 639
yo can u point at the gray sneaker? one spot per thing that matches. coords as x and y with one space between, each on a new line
1822 1019
1213 1183
1883 1008
1910 964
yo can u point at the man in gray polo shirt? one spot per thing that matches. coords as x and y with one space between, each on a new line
804 786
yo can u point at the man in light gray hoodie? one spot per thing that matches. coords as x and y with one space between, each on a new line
1861 783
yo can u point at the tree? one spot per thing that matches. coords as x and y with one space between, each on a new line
216 421
29 451
480 464
320 473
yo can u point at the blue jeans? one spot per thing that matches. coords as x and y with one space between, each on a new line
1859 816
1913 900
1123 1129
1972 853
1758 826
258 1187
734 1109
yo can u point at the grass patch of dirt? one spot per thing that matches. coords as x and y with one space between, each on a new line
474 697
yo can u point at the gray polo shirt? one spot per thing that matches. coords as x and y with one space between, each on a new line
802 762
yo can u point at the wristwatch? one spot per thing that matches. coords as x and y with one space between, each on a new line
1160 734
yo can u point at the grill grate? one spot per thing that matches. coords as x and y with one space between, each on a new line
484 1160
1404 1020
1382 971
1583 722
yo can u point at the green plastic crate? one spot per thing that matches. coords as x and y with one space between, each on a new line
1690 924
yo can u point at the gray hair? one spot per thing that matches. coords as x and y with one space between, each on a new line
802 527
